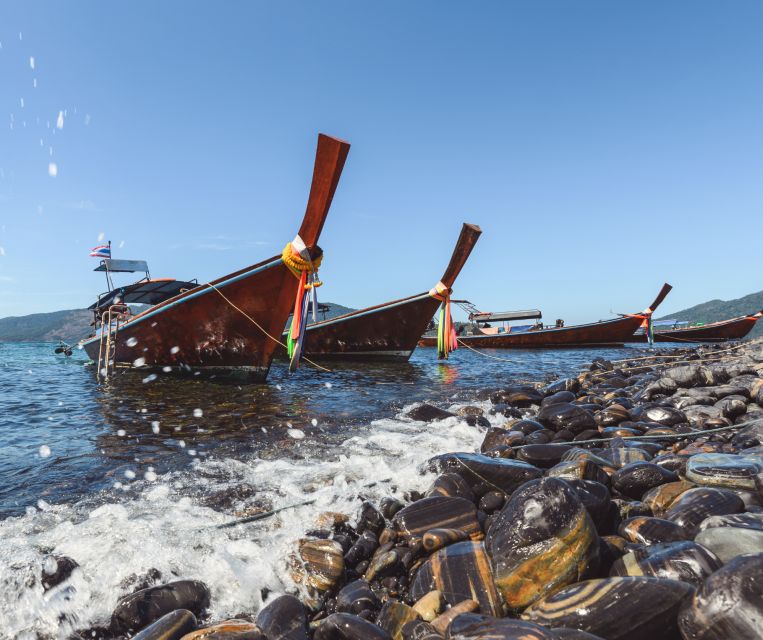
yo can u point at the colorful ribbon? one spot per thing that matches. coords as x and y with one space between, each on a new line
446 332
297 258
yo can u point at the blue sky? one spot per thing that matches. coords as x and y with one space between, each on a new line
603 147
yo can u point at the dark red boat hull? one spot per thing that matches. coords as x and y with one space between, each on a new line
211 329
734 329
608 333
386 332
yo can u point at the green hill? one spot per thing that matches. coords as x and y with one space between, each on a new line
716 310
72 325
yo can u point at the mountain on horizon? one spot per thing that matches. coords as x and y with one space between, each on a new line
716 310
71 325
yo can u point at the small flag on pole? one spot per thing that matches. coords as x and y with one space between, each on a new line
101 251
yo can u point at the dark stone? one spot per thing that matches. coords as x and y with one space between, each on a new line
471 626
461 572
436 512
55 570
694 505
686 561
645 530
492 501
558 397
138 610
566 416
542 539
635 479
616 608
420 630
345 626
428 413
363 549
370 519
544 456
595 498
284 619
394 616
485 474
526 427
451 485
357 597
389 506
729 604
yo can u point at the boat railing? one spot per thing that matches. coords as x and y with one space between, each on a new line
111 319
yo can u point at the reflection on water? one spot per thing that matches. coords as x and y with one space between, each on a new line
99 435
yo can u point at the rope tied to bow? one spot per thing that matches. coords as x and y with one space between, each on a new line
296 257
446 332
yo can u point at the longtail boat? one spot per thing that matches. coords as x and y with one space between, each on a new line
723 331
606 333
391 330
230 325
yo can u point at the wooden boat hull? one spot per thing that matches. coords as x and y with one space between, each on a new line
608 333
387 331
734 329
230 325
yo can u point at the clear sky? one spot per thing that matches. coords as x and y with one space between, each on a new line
604 147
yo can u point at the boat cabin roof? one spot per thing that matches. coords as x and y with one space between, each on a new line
122 266
144 292
530 314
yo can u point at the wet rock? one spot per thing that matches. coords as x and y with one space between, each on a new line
616 608
675 463
492 501
437 512
580 469
646 530
686 561
370 519
542 539
390 506
635 479
394 616
619 457
357 597
228 630
428 413
661 387
518 396
659 499
55 570
612 416
667 416
477 421
471 626
732 406
470 410
563 384
383 564
453 486
485 474
430 605
171 626
694 505
557 398
283 619
544 456
726 471
728 605
345 626
323 562
363 549
699 416
566 416
729 542
435 539
420 630
443 621
460 571
526 427
690 376
138 610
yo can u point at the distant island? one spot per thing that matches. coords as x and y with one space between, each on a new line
73 324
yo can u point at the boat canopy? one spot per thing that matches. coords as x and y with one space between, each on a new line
122 266
669 323
530 314
144 292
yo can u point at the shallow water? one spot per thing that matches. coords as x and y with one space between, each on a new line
140 470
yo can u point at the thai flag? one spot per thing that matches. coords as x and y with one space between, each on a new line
102 251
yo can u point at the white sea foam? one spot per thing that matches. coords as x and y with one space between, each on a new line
162 522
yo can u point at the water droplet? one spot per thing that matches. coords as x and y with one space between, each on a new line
296 434
60 120
174 350
31 62
129 474
181 444
149 378
52 169
167 369
121 433
44 451
50 566
150 476
131 342
139 362
314 422
155 426
328 385
197 413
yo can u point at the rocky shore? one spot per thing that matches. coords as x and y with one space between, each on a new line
623 504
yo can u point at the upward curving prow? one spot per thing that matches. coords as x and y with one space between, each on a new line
468 237
329 162
666 288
